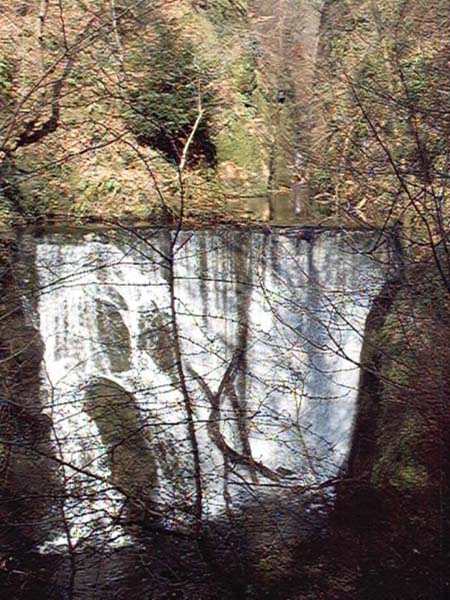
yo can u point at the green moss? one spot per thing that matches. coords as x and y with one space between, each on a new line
399 374
236 143
243 75
243 141
412 476
45 192
400 464
162 108
224 12
7 215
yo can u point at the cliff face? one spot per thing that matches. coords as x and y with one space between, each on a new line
29 484
401 433
397 493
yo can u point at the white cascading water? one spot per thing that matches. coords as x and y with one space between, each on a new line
270 326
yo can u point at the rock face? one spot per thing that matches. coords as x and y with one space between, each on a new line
123 434
399 465
29 485
115 335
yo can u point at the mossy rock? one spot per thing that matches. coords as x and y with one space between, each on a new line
30 480
396 493
156 338
127 439
114 336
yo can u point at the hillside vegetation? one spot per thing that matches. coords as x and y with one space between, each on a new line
382 114
124 108
139 109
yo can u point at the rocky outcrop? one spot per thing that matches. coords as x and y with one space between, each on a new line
114 334
396 495
127 440
29 482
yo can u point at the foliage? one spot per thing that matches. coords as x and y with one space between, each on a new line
382 93
164 104
86 86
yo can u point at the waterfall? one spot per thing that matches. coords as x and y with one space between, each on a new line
269 329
